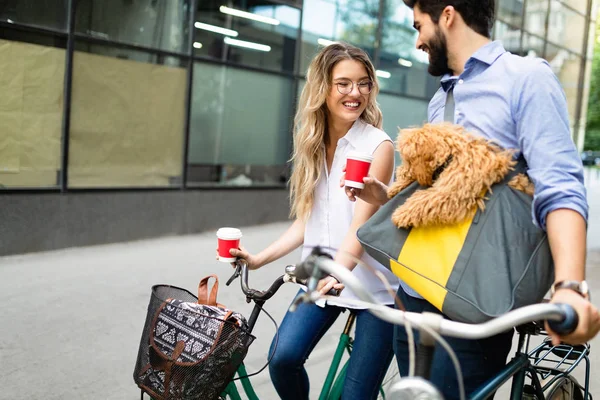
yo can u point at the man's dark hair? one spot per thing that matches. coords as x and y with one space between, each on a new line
477 14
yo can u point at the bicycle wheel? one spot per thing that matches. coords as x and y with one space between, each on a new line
392 375
565 388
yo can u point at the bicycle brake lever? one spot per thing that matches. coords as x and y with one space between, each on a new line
236 274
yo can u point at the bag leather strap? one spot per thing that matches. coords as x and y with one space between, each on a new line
203 297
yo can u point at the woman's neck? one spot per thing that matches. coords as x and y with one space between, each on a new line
337 130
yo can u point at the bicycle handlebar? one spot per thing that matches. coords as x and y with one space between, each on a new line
561 317
257 295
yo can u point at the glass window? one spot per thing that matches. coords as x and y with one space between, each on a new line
254 33
403 68
593 40
566 66
533 46
511 11
323 21
31 112
401 112
566 27
578 5
509 36
240 127
358 22
44 39
127 118
150 23
535 16
45 13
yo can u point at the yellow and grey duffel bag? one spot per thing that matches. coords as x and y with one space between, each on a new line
472 271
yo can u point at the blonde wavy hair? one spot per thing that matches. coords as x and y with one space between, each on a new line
310 122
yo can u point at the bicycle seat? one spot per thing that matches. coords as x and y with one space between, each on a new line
531 328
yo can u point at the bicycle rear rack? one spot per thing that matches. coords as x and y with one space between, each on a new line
554 362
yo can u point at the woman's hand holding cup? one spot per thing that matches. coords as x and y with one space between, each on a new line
229 249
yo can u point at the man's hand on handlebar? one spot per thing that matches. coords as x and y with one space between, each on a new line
328 283
589 318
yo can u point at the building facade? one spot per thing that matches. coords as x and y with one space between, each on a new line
125 119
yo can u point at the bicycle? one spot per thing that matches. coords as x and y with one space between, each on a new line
547 376
333 385
334 382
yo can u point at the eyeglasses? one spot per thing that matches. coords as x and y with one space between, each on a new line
346 87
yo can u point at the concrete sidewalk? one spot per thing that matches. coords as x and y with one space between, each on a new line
71 320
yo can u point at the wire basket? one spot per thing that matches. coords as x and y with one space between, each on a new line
188 351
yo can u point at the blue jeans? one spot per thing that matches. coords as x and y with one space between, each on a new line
300 332
479 359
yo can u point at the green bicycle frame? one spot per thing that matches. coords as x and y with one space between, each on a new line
329 393
231 389
334 382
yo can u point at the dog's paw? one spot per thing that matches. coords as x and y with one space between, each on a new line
394 189
523 183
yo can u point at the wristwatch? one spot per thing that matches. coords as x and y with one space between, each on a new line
580 287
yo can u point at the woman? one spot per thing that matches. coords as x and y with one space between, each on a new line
337 113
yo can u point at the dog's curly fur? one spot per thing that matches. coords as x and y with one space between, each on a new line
472 165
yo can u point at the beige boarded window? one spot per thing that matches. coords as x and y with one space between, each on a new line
31 109
127 123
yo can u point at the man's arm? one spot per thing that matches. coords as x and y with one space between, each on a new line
560 204
567 235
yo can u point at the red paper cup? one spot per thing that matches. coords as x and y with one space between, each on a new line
229 238
357 168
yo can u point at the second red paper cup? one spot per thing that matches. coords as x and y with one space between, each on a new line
229 238
357 168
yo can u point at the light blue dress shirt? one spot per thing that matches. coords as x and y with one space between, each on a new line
518 103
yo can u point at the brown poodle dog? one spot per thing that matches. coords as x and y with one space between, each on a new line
459 168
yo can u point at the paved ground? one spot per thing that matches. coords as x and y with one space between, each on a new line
71 320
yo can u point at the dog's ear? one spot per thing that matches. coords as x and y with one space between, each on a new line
408 141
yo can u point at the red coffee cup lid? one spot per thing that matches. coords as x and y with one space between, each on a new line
229 233
357 155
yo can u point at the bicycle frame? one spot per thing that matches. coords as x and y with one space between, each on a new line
334 382
331 390
521 366
561 317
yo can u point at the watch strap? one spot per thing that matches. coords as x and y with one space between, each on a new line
579 287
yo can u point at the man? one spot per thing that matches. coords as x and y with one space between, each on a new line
519 103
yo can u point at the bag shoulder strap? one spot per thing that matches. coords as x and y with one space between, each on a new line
449 107
203 297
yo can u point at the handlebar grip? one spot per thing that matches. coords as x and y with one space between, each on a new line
568 324
332 291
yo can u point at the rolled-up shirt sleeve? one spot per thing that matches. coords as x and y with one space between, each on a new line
543 132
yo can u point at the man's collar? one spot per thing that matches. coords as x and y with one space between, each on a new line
486 54
489 53
448 81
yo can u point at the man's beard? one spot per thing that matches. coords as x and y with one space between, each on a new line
438 55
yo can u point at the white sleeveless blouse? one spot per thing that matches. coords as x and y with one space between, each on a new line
332 212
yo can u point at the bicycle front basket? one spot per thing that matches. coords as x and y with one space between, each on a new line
188 351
